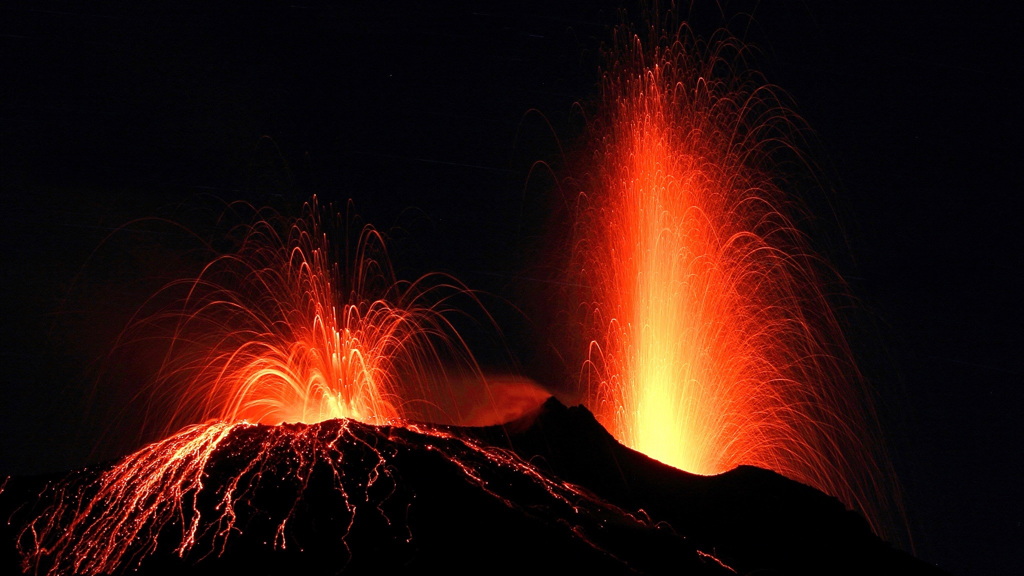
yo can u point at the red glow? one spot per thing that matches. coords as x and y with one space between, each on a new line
711 341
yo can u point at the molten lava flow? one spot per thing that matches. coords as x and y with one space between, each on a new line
712 341
274 332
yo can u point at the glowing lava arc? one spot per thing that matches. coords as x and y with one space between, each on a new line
275 332
712 339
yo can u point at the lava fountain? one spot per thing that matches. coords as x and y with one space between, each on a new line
712 340
271 332
275 331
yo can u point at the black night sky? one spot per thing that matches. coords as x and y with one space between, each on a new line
430 119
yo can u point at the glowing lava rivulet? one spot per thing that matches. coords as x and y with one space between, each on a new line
712 341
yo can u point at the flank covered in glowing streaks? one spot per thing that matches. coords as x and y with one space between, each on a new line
99 526
712 342
191 494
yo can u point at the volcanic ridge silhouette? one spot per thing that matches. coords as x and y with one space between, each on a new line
551 492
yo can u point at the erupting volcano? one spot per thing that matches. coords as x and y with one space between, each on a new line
273 332
312 408
712 341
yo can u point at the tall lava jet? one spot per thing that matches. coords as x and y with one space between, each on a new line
710 339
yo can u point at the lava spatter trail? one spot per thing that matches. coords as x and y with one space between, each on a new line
97 525
328 497
711 340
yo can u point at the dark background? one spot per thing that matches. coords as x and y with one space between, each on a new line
422 116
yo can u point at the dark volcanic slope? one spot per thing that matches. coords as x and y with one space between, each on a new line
754 520
344 497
